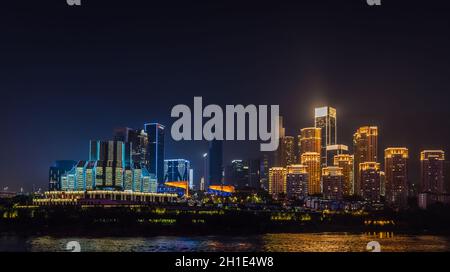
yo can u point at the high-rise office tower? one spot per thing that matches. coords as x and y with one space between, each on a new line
287 151
155 150
139 142
432 171
176 170
333 150
333 183
215 163
309 140
370 177
396 170
365 147
277 181
57 171
345 161
296 181
313 162
325 118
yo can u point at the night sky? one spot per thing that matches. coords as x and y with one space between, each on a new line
71 74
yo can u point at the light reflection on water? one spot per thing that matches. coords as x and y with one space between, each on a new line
285 242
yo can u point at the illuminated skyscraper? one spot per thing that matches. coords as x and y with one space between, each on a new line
287 151
370 177
333 183
297 181
139 142
396 170
325 118
432 171
333 150
345 161
277 181
365 146
312 161
155 150
309 140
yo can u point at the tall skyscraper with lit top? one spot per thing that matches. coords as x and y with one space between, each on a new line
396 170
309 140
154 156
325 119
365 147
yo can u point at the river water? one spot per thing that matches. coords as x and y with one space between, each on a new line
287 242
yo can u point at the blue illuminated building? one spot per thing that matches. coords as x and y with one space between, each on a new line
154 156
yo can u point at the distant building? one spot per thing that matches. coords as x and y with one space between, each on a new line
333 183
345 161
370 177
312 161
56 171
277 181
432 171
432 183
365 146
325 118
309 140
296 181
334 150
396 170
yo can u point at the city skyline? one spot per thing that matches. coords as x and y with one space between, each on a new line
70 82
295 142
